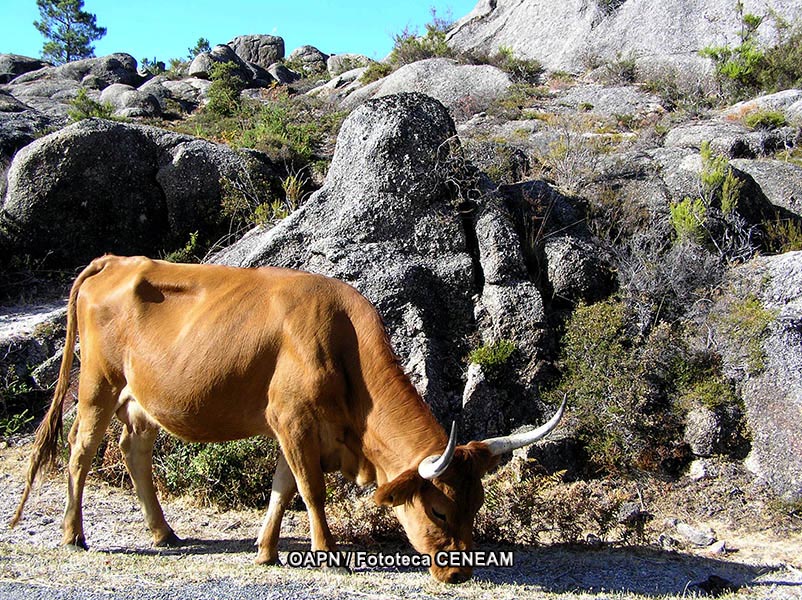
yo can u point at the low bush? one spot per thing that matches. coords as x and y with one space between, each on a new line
224 92
765 119
83 107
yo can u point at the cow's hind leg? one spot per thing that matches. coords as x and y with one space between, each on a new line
95 407
136 442
280 497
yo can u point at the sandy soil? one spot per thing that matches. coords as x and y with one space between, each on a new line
217 560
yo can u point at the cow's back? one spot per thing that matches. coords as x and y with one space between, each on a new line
197 345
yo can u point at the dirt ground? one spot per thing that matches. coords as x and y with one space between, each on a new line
762 557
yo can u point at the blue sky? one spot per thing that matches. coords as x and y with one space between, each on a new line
165 29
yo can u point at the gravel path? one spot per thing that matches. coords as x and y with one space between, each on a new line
217 561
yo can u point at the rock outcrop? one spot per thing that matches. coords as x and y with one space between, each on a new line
101 186
387 221
577 34
772 388
463 89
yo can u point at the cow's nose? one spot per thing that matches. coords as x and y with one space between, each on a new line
458 577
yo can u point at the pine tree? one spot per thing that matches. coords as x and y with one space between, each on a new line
68 29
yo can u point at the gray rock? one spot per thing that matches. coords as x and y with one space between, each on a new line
282 74
201 65
19 126
575 270
780 101
339 86
611 101
337 64
382 212
262 50
773 396
102 71
572 35
310 59
703 431
464 89
130 102
189 92
13 65
779 181
481 405
729 138
701 536
99 186
29 336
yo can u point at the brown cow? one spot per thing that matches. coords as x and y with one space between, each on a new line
215 353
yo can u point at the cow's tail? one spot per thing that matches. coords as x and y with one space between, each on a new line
49 435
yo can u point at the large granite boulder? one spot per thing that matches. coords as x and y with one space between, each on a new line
13 65
575 34
262 50
100 186
769 365
463 89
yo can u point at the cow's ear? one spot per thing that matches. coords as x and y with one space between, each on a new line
400 490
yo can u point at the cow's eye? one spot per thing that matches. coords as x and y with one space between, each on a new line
439 515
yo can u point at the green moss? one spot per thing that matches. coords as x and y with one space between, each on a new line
491 356
746 325
765 119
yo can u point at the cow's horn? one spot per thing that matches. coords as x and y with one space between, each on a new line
435 465
502 445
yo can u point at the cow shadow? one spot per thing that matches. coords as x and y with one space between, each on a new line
557 569
636 570
196 546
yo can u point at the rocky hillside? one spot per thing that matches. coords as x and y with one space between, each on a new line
524 233
578 34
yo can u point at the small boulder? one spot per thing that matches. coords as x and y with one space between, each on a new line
262 50
464 89
310 59
130 102
201 65
337 64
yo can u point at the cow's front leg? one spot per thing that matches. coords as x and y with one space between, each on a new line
281 494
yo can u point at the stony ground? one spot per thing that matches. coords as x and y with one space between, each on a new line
217 560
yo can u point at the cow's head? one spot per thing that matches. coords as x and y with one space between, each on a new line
436 502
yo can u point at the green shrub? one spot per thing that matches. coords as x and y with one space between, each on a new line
224 92
781 67
520 70
408 47
228 475
765 119
515 101
687 219
618 382
83 107
737 68
783 234
188 253
375 71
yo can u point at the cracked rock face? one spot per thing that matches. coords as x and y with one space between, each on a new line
444 277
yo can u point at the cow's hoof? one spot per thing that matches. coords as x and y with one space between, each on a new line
267 560
169 541
78 544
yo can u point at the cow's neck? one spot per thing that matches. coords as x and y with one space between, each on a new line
401 429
